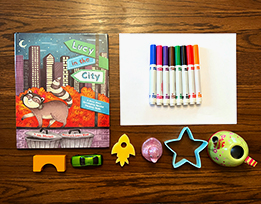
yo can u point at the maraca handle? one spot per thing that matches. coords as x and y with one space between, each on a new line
250 161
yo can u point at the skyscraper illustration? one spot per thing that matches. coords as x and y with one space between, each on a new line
27 79
48 65
105 86
34 65
58 72
76 84
19 64
66 77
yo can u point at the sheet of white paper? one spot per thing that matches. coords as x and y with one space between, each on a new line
218 80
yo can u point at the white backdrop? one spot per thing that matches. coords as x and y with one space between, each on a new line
218 80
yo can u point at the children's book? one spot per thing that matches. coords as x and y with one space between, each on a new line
62 90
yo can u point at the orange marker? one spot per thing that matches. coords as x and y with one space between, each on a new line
197 74
191 75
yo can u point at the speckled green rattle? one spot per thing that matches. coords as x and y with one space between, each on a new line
227 148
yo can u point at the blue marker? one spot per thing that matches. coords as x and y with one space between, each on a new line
153 75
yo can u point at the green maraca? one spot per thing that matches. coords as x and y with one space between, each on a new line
229 149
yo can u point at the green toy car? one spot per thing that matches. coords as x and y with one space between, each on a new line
86 160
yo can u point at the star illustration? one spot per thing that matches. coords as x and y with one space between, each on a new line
197 151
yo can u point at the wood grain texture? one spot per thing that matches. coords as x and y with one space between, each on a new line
140 181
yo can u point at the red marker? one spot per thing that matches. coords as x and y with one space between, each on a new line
197 74
191 74
159 76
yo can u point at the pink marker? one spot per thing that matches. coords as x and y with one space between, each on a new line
159 76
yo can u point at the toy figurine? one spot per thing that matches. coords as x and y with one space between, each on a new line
152 149
229 149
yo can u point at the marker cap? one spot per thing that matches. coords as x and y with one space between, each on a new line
195 53
171 56
159 55
177 55
190 58
183 55
152 54
165 55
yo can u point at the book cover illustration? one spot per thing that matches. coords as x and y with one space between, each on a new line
62 90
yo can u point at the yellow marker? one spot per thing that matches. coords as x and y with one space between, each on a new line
123 148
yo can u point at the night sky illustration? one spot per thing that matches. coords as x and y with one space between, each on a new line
54 43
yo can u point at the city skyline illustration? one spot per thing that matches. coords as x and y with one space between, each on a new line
54 43
42 57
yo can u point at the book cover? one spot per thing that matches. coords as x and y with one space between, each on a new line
62 90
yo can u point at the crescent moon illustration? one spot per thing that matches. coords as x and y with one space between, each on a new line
21 44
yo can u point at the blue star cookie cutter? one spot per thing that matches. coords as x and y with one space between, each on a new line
197 151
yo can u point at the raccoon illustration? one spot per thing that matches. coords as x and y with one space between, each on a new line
54 110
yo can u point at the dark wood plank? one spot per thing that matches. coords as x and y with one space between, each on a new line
140 181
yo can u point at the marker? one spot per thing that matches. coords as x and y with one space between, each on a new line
159 75
165 76
178 76
191 74
183 56
153 75
197 74
172 76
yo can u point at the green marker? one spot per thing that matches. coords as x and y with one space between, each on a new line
178 76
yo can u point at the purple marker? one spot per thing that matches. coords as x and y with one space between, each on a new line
166 96
153 75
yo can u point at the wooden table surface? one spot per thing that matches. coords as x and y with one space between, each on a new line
140 181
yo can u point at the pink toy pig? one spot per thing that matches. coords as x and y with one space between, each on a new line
152 149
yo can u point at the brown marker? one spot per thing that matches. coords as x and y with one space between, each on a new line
172 76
